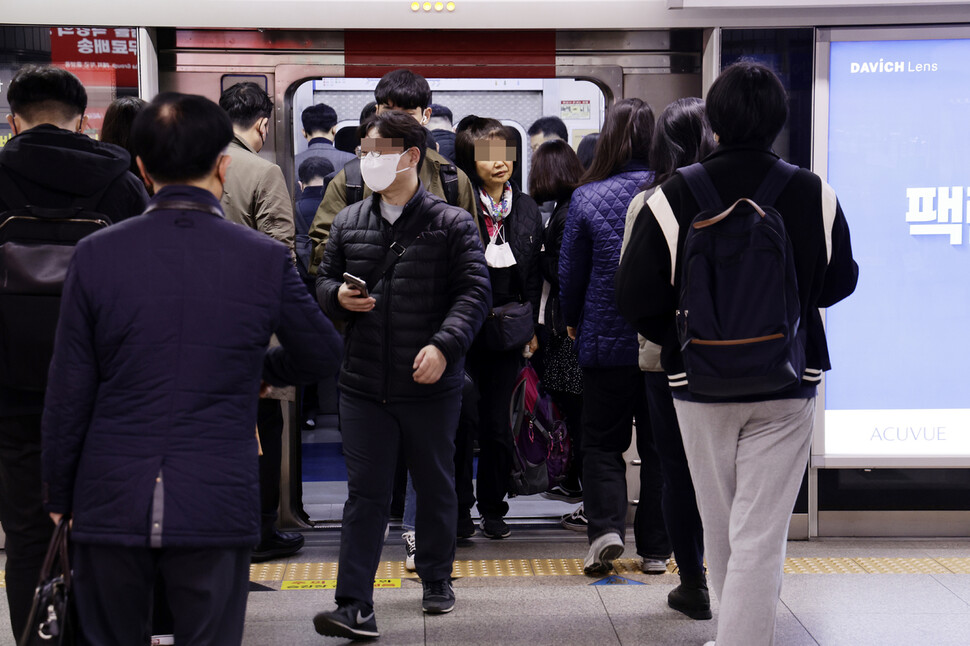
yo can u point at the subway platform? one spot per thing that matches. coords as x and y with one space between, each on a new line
529 589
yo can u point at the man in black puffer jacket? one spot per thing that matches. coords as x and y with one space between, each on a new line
402 375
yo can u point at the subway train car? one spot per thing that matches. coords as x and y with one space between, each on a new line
879 107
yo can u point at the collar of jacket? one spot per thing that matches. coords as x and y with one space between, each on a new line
320 141
417 198
722 150
634 165
242 144
184 193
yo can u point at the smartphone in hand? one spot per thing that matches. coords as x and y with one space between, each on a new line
359 283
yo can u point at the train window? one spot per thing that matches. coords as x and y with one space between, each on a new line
104 58
516 103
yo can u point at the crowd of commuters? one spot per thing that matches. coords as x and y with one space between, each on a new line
180 329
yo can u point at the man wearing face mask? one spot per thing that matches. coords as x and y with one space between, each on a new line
256 196
409 93
423 295
50 164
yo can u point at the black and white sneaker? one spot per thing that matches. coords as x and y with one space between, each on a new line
564 494
349 621
439 597
576 520
409 550
495 528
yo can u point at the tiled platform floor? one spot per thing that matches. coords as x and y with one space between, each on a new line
873 592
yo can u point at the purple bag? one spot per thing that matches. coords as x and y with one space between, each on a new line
541 445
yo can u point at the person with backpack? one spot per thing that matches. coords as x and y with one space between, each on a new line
509 222
613 394
746 435
49 170
406 92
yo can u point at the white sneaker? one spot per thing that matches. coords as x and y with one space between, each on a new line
409 549
708 643
599 559
653 566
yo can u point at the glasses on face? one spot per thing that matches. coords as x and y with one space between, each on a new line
374 147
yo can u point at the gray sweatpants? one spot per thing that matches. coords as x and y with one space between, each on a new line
747 461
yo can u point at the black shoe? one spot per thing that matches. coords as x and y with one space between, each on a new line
439 597
576 520
466 527
277 545
693 601
495 528
565 494
350 621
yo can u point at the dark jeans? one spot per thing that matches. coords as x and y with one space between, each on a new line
206 589
373 433
269 421
679 503
465 448
495 373
27 526
612 399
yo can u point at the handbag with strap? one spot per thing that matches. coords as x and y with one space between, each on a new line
51 621
509 327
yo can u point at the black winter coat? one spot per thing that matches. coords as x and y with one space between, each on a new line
549 263
438 293
523 231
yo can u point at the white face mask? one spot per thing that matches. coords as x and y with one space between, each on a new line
379 172
498 254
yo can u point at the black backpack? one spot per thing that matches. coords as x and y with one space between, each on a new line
738 314
355 182
36 246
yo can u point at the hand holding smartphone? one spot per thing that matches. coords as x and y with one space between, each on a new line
359 283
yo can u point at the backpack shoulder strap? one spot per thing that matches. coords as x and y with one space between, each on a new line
355 181
700 185
12 195
404 239
774 183
449 182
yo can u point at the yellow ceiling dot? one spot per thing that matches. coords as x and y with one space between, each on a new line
450 6
427 6
439 6
415 6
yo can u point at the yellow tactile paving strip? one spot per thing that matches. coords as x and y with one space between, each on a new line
574 567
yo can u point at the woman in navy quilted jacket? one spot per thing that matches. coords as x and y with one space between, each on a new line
613 393
511 228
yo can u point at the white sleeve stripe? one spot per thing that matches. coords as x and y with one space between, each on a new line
829 203
668 224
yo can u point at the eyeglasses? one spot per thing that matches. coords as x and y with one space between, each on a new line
361 153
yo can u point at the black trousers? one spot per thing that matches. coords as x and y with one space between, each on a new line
206 589
612 399
495 374
679 503
269 421
27 526
465 448
373 433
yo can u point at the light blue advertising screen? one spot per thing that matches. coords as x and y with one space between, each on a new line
899 161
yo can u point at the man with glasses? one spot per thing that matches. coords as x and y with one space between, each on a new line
403 91
407 272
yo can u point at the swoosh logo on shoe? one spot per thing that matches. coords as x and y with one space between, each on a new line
361 618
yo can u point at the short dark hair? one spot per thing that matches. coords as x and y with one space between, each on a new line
747 104
683 136
404 89
41 89
627 131
471 129
438 110
549 126
319 118
313 168
368 111
587 148
397 125
246 103
555 171
179 137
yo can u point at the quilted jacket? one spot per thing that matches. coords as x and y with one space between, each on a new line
148 428
437 293
588 261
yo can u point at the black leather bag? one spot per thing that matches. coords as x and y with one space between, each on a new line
509 326
51 621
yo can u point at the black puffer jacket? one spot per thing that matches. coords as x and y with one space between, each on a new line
437 293
524 234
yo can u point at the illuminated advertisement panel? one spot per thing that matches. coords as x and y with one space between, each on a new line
897 133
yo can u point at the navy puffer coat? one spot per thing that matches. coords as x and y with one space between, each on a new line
588 261
438 293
